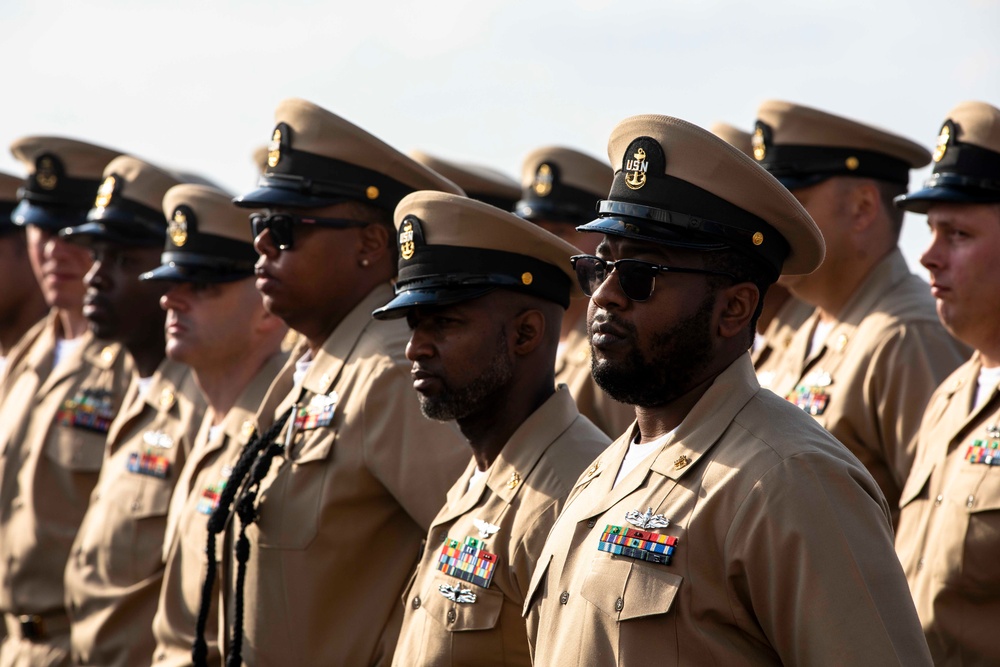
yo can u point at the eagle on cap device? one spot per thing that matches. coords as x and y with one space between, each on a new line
63 177
561 185
317 159
207 240
128 208
802 146
480 183
454 249
679 185
966 160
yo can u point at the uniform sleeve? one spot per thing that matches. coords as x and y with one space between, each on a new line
810 562
905 370
415 458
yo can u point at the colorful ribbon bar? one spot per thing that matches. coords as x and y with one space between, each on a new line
90 409
638 544
149 464
468 561
980 452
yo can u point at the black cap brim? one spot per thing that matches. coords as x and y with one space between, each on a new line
802 180
428 297
51 218
921 200
178 273
642 230
272 197
101 232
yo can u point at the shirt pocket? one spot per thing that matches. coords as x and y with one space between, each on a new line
290 505
76 449
981 542
475 637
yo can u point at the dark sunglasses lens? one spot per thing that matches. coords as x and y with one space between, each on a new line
590 273
636 279
279 224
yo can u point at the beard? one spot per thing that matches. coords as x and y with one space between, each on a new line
458 403
674 363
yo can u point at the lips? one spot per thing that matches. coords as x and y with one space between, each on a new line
266 282
605 333
174 326
938 290
95 307
422 379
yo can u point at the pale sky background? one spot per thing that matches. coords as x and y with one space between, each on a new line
193 85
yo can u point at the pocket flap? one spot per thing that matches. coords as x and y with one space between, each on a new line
915 484
624 588
482 614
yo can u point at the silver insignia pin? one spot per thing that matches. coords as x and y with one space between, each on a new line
158 439
485 528
647 519
457 593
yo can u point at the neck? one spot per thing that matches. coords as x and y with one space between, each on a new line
222 386
147 358
72 323
839 287
18 323
489 430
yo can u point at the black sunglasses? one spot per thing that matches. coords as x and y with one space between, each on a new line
281 225
635 276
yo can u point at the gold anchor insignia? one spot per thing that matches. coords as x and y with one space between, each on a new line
105 191
177 229
514 480
406 246
543 180
942 144
166 399
681 462
274 149
45 174
247 429
637 167
759 147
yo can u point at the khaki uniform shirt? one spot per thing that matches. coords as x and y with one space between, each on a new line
949 527
196 496
53 425
499 525
115 568
343 512
781 550
779 334
869 383
573 370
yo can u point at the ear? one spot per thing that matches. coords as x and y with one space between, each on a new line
373 243
865 205
528 331
738 304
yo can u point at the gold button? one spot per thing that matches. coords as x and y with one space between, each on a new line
758 238
371 192
681 462
166 398
514 480
527 278
852 163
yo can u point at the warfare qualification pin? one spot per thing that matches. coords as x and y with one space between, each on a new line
647 519
457 593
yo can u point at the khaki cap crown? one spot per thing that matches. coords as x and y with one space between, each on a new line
734 136
63 176
453 249
966 160
316 158
561 185
802 146
208 237
128 208
479 182
680 185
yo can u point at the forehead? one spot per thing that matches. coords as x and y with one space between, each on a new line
955 213
617 247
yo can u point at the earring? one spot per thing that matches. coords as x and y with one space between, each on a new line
364 262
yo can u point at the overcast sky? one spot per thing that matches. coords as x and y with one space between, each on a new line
193 85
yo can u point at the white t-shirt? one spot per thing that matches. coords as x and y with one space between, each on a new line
986 384
302 367
637 453
477 475
820 333
64 348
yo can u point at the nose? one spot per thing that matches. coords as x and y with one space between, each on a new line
419 345
174 298
609 294
264 244
96 277
933 257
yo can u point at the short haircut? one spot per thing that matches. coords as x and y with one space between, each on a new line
746 270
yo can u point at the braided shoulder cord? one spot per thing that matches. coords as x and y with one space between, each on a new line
217 523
